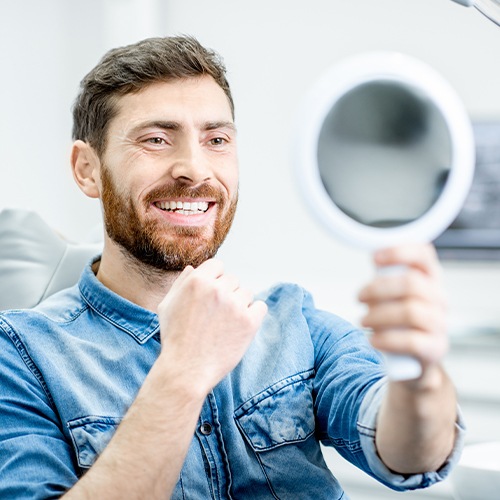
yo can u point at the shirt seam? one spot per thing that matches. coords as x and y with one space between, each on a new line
244 407
74 315
141 340
26 358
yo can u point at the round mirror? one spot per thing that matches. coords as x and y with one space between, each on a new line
385 151
384 156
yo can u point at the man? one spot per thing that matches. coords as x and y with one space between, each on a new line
158 376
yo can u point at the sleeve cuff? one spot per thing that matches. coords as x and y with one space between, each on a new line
367 428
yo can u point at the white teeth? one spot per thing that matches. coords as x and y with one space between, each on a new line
184 208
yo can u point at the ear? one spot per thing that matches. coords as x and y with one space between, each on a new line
85 164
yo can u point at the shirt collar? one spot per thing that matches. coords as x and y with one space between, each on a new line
129 317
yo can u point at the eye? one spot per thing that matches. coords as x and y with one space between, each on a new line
156 140
218 141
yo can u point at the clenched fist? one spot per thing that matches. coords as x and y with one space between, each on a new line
207 322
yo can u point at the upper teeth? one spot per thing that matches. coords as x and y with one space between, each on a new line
183 206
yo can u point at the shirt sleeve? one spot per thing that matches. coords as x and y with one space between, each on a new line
35 458
367 431
349 387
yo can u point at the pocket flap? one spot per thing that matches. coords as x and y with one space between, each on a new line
90 436
282 414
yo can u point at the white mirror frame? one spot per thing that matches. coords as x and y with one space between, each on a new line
412 74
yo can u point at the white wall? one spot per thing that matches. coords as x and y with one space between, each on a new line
274 50
46 47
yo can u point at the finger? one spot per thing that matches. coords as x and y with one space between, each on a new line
182 277
419 256
186 271
192 277
257 311
211 268
198 278
244 297
412 284
410 314
425 347
228 283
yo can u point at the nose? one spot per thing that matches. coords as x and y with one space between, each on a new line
190 164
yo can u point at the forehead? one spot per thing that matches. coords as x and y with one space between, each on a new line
185 100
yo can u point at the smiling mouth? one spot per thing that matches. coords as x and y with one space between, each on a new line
183 207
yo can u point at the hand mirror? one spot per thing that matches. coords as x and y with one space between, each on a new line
385 156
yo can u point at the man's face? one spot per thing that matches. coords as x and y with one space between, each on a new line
169 174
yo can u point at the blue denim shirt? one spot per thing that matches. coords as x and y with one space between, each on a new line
71 367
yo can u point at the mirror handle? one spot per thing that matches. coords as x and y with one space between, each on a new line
400 366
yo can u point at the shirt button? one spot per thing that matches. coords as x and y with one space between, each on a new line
206 429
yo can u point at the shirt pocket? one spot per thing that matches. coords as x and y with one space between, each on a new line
279 425
90 435
281 414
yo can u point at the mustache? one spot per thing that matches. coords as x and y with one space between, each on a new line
180 190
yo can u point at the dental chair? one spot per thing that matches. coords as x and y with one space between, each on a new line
35 261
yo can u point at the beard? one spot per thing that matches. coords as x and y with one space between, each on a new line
159 245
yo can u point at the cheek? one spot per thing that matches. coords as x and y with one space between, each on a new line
232 184
131 185
127 166
230 180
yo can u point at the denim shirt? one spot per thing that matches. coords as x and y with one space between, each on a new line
71 367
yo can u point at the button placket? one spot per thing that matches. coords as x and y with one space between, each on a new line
209 441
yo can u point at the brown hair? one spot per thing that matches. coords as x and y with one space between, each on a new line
129 69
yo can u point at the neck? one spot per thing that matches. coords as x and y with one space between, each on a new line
126 276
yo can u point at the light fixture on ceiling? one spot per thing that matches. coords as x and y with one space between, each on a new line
489 8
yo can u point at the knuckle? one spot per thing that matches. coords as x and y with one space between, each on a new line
198 282
415 283
412 312
440 322
416 344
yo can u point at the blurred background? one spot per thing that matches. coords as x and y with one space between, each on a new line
274 50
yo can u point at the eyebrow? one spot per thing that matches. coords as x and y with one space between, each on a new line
175 126
219 124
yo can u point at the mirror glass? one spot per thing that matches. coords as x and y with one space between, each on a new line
384 154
